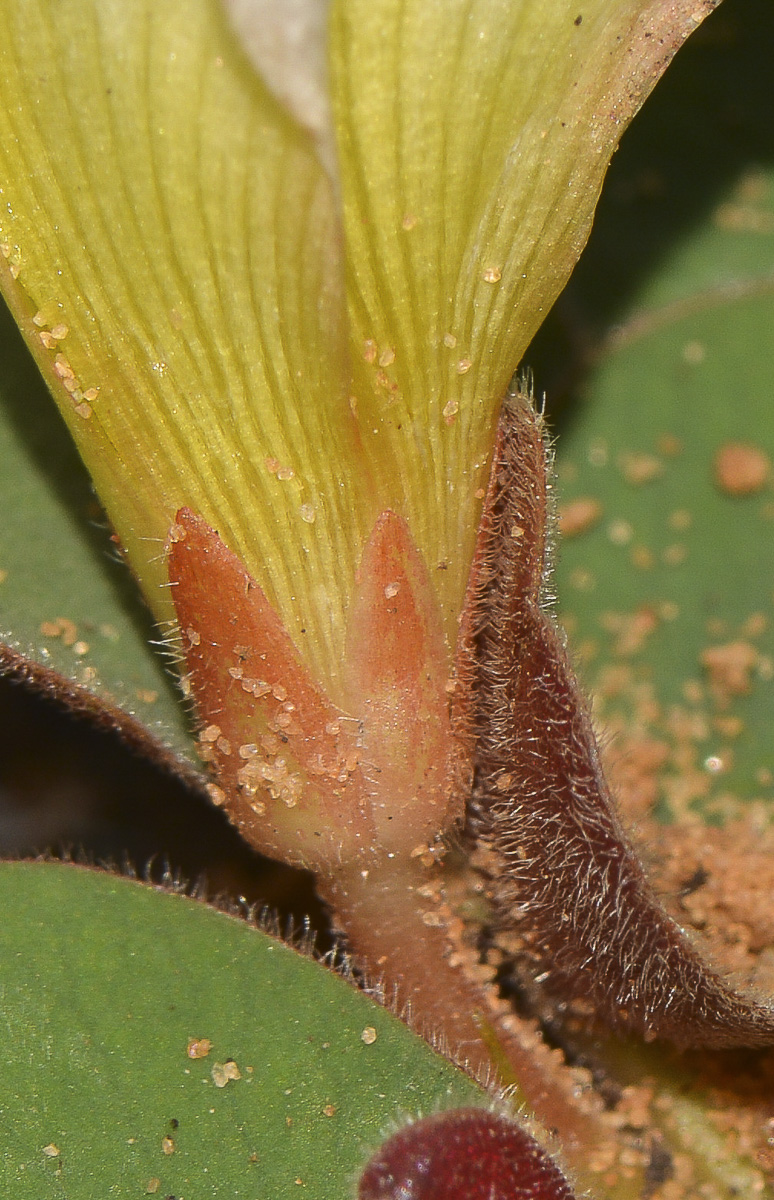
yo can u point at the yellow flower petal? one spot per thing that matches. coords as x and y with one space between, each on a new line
219 335
474 138
171 251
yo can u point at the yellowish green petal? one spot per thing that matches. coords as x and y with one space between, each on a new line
174 252
287 42
474 138
221 335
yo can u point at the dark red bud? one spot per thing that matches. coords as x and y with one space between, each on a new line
463 1154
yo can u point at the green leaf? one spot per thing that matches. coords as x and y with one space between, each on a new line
675 566
105 985
65 600
676 569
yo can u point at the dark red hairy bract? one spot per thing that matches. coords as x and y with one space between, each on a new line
463 1154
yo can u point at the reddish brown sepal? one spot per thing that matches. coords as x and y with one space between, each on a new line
287 760
398 677
463 1154
301 779
569 880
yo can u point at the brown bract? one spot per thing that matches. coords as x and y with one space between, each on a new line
568 879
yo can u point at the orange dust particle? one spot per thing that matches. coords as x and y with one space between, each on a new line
675 554
218 798
582 580
680 520
62 367
620 532
61 627
638 469
729 668
630 630
198 1047
756 624
450 410
223 1073
741 469
329 1110
729 727
642 558
579 515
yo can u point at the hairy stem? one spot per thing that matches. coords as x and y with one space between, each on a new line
406 939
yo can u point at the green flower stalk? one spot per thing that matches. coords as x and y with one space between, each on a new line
279 312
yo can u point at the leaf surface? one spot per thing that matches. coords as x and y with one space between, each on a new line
65 599
668 591
106 985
